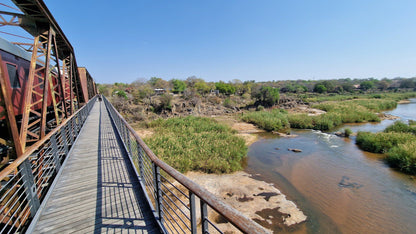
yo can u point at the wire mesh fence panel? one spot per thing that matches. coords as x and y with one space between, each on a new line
179 205
26 181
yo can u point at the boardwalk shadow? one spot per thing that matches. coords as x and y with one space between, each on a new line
120 200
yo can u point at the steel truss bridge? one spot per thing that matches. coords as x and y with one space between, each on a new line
73 164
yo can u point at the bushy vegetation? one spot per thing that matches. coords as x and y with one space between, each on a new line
266 95
273 120
403 157
352 111
398 141
315 97
322 122
198 144
347 132
381 142
349 111
401 127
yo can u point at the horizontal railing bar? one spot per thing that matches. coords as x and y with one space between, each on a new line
172 224
10 200
168 226
175 187
9 190
171 201
213 225
180 200
240 221
30 150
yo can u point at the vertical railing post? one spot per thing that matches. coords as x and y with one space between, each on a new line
158 191
129 144
140 156
204 217
55 154
65 138
193 212
71 131
30 187
79 124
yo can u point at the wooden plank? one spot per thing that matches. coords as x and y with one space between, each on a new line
97 191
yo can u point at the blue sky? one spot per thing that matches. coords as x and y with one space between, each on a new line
121 41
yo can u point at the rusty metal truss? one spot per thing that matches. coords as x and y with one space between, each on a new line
52 90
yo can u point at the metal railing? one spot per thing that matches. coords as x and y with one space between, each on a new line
26 181
172 196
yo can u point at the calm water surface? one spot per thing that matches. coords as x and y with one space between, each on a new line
339 187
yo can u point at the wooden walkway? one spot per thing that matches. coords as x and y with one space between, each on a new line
97 191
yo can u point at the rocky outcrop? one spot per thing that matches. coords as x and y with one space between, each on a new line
256 199
295 150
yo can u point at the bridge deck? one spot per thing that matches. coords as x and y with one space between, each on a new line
97 190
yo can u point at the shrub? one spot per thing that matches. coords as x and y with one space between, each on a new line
382 142
267 95
400 127
403 157
197 143
260 108
165 102
347 132
273 120
229 103
301 121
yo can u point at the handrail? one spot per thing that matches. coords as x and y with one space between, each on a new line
26 181
240 221
30 150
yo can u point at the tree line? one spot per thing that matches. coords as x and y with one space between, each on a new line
264 93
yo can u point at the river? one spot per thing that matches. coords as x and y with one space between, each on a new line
341 188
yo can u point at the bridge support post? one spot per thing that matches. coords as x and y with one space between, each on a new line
55 154
30 187
129 144
71 131
140 156
64 131
204 217
158 191
193 212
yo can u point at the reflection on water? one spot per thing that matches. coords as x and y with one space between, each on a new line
339 187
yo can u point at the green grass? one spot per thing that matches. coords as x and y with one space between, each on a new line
403 157
273 120
337 97
398 141
340 109
352 111
197 144
401 127
382 142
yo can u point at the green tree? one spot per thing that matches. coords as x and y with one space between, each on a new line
178 85
348 87
225 88
159 83
366 85
202 87
407 83
267 95
320 88
120 93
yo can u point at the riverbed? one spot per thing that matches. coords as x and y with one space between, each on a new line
341 188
